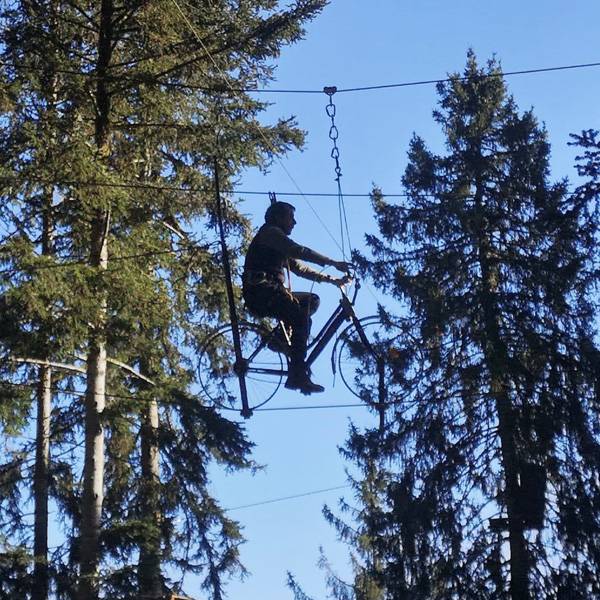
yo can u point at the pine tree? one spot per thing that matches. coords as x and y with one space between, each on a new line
491 447
141 97
30 136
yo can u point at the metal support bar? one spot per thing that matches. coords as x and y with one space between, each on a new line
239 367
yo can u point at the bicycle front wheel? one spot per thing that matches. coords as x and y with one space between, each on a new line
263 367
362 351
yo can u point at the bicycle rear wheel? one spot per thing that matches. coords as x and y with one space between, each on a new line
263 367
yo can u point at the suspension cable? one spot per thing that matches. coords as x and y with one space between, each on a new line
330 109
268 143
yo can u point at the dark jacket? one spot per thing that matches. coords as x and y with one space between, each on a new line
272 251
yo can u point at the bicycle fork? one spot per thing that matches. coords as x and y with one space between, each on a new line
381 403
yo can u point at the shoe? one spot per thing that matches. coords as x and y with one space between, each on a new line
278 342
301 381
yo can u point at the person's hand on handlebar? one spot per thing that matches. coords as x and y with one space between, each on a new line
342 281
343 266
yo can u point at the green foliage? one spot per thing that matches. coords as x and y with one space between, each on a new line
493 370
14 408
97 120
14 563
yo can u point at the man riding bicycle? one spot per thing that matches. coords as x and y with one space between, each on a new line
271 252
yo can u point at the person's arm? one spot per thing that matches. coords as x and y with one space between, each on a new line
306 272
275 238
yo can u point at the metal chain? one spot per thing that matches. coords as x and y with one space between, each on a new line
333 131
335 154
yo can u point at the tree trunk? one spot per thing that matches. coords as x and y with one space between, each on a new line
44 406
519 558
93 470
40 487
496 356
149 574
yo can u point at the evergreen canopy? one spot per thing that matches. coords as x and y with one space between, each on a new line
110 114
483 483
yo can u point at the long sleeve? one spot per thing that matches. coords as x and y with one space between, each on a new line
272 250
276 239
302 270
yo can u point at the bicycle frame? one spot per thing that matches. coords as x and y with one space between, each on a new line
343 312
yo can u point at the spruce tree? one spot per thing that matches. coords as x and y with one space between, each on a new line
32 129
491 446
140 98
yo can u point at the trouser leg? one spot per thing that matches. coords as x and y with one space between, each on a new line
295 311
294 314
305 305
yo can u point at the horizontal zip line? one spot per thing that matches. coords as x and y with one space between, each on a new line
469 77
174 188
293 497
386 86
195 190
365 88
35 385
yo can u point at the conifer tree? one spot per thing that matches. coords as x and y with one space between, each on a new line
31 134
140 94
490 450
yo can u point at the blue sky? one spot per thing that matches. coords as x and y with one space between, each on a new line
359 43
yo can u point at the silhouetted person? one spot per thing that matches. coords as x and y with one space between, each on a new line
270 253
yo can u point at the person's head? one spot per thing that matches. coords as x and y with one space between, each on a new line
281 214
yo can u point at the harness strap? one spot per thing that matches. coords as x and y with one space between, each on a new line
289 277
261 277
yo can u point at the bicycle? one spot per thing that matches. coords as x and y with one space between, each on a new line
359 353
